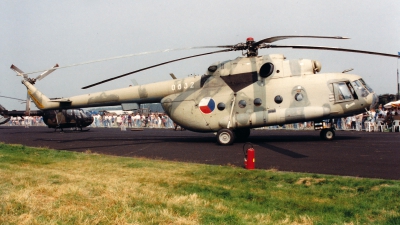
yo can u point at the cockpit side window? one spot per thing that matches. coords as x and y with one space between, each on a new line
83 114
342 92
77 113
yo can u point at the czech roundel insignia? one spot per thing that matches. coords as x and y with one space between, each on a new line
207 105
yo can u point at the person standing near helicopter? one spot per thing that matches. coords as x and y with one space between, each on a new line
353 123
119 120
130 120
26 121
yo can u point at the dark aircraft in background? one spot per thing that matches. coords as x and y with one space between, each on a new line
57 119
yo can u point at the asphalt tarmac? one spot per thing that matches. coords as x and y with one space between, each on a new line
352 153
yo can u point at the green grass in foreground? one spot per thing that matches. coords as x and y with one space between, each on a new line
42 186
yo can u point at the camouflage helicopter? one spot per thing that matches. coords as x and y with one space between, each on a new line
57 119
3 118
236 95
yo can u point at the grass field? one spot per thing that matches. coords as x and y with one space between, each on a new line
44 186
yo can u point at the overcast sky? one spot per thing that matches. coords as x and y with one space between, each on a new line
35 35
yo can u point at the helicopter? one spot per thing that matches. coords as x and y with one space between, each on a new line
57 119
234 96
3 119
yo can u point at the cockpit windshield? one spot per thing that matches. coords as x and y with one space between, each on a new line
88 114
360 87
347 91
83 114
366 86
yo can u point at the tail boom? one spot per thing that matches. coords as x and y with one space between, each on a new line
148 93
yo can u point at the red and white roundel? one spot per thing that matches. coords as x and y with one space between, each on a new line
207 105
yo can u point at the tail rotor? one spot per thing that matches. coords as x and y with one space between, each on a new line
45 73
32 81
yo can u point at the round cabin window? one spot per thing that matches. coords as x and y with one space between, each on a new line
221 106
242 103
278 99
257 102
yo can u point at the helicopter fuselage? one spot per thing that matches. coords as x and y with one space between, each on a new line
291 93
243 93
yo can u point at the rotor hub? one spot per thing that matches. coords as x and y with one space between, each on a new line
249 39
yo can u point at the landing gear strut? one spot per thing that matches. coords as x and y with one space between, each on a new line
327 129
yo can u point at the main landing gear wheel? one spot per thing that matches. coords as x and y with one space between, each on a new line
241 135
225 137
327 134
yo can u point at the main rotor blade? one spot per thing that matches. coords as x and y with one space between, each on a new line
243 46
112 58
278 38
13 98
160 64
217 46
331 49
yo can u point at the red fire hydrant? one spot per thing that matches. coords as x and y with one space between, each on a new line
249 157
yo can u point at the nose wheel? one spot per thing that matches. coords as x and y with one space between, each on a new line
327 134
225 137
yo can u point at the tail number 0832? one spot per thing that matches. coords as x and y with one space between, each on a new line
183 85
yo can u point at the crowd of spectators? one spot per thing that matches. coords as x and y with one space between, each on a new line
367 121
370 120
153 120
26 121
360 122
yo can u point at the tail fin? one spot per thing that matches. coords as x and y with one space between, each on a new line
40 100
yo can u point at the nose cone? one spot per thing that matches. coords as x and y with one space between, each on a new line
373 101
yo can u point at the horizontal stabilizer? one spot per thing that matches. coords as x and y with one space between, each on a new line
60 100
